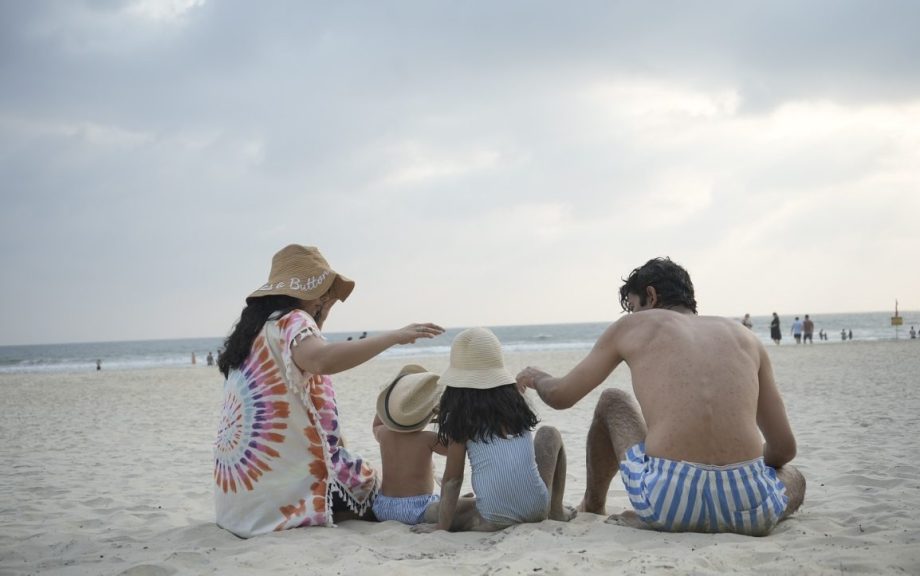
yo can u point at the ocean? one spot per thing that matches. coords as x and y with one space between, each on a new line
142 354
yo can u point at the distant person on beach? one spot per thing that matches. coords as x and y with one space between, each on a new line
850 334
775 333
99 363
362 336
280 458
709 438
913 333
746 322
843 334
517 476
797 330
404 408
808 330
210 359
193 359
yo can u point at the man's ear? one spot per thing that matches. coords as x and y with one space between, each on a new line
652 295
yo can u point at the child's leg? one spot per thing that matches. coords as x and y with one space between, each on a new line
466 517
551 463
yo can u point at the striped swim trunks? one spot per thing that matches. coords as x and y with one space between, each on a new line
745 498
408 510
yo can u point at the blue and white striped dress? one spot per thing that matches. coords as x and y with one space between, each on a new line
506 482
745 498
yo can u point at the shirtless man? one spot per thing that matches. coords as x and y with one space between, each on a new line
709 450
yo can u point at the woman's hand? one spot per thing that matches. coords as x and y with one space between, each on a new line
413 332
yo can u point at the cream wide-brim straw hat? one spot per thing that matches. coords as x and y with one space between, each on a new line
303 273
476 361
407 403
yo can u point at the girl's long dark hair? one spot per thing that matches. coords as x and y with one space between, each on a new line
480 415
252 318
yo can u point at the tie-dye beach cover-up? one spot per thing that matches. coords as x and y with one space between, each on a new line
279 453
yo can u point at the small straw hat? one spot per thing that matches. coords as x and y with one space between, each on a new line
476 361
302 272
407 403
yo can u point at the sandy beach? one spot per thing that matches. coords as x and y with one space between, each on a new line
111 473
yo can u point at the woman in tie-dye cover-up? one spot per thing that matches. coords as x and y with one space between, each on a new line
280 459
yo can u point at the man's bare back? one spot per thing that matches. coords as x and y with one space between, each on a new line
696 380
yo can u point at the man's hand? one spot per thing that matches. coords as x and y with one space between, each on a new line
527 378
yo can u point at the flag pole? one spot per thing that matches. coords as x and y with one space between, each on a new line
896 321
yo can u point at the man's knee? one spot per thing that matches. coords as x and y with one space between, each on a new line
612 400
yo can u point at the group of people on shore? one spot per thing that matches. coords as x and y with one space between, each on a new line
803 331
702 444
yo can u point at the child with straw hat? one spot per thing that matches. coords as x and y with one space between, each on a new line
516 477
405 407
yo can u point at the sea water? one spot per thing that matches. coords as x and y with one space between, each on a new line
531 338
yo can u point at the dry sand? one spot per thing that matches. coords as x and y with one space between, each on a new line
110 473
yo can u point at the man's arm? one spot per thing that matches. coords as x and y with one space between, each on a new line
564 392
779 442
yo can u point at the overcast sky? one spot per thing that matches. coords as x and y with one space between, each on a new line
466 163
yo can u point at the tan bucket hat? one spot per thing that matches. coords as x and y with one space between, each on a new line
476 361
407 403
302 272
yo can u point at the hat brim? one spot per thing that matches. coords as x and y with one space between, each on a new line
476 379
342 287
382 402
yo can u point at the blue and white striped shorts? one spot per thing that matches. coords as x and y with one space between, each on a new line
408 510
745 498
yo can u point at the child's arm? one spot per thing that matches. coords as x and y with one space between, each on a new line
436 445
377 426
451 484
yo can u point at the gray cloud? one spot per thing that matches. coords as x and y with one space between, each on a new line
156 164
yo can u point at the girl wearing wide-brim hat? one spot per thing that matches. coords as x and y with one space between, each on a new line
517 477
280 459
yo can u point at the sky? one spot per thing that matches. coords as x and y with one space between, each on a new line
466 163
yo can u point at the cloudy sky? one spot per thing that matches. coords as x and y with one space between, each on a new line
467 163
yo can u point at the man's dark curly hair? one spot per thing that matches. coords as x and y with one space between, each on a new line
670 280
480 415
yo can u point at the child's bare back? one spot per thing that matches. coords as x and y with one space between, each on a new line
407 460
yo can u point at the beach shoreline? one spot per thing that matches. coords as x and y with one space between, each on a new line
110 472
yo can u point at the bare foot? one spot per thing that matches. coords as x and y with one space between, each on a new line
565 515
582 508
627 518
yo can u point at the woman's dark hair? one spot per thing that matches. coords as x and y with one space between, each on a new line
480 415
670 280
252 318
